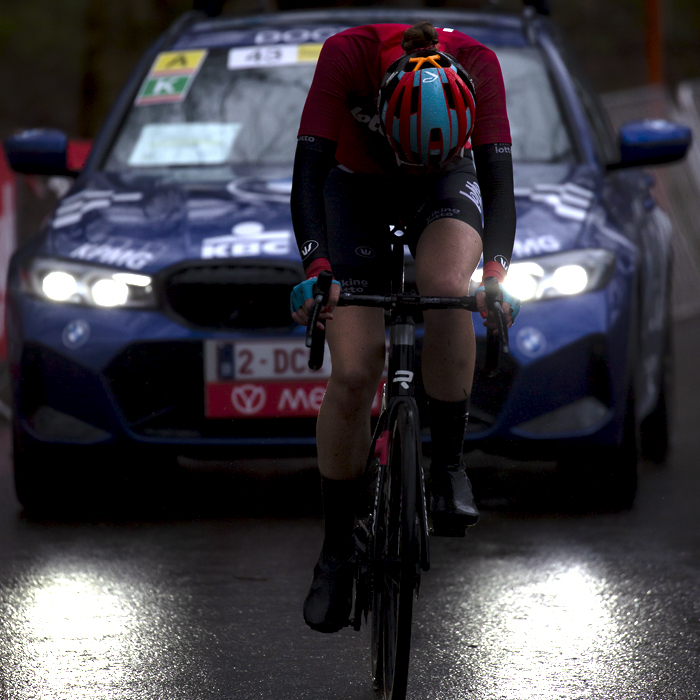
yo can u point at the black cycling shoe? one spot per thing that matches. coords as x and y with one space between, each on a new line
453 506
329 601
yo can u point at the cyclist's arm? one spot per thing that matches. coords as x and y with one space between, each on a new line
315 156
495 173
494 167
325 108
491 141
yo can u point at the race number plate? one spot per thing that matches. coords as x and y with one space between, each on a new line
263 379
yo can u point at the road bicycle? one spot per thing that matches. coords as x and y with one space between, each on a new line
391 537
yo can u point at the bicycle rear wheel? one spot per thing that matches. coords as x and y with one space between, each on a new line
397 555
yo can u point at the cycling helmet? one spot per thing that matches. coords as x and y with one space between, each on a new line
426 107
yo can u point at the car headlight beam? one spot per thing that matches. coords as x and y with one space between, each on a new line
558 275
569 279
522 280
133 279
78 283
106 292
59 285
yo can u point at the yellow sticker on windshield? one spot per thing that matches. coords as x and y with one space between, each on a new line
181 62
272 55
170 77
309 52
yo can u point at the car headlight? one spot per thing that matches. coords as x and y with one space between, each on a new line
77 283
558 275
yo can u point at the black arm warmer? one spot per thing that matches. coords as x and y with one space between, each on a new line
313 161
494 169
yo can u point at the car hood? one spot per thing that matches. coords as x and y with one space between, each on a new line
148 225
558 209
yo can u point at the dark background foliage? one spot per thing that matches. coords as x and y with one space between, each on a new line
62 62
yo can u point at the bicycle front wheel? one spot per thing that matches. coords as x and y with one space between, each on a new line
397 555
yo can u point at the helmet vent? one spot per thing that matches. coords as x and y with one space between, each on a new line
450 99
415 95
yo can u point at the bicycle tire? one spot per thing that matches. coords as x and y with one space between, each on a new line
397 554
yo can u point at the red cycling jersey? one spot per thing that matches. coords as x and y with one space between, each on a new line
341 105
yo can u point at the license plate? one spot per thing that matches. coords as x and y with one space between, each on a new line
264 379
261 360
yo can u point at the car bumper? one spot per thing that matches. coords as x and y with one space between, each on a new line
128 377
88 376
565 382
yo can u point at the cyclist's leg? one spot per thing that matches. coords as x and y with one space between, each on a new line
356 341
447 253
359 251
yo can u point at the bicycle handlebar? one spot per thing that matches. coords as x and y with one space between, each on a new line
496 340
409 302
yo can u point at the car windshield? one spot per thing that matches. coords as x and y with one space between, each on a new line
537 126
212 112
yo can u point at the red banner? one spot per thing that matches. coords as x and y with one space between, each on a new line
269 399
7 238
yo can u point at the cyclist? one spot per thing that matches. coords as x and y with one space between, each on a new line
387 134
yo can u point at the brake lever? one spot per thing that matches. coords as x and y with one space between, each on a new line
316 337
496 343
502 327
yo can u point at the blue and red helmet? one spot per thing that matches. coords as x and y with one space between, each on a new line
426 107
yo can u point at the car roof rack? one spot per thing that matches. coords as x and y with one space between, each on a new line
213 8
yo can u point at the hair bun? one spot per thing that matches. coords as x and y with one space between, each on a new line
420 36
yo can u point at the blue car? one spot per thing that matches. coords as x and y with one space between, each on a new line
149 317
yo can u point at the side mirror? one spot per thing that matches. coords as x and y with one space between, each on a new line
652 142
38 152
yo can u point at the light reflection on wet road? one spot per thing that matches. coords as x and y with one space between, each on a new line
202 601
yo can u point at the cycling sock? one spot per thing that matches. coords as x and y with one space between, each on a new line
340 501
448 422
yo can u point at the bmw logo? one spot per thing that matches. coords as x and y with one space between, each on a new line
76 334
530 341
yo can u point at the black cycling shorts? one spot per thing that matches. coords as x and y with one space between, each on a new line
361 208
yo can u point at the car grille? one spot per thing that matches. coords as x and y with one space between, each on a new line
159 387
232 295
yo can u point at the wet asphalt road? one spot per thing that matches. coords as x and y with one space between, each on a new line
195 592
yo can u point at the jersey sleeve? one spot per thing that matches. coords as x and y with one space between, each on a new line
327 101
491 124
313 160
494 168
491 145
